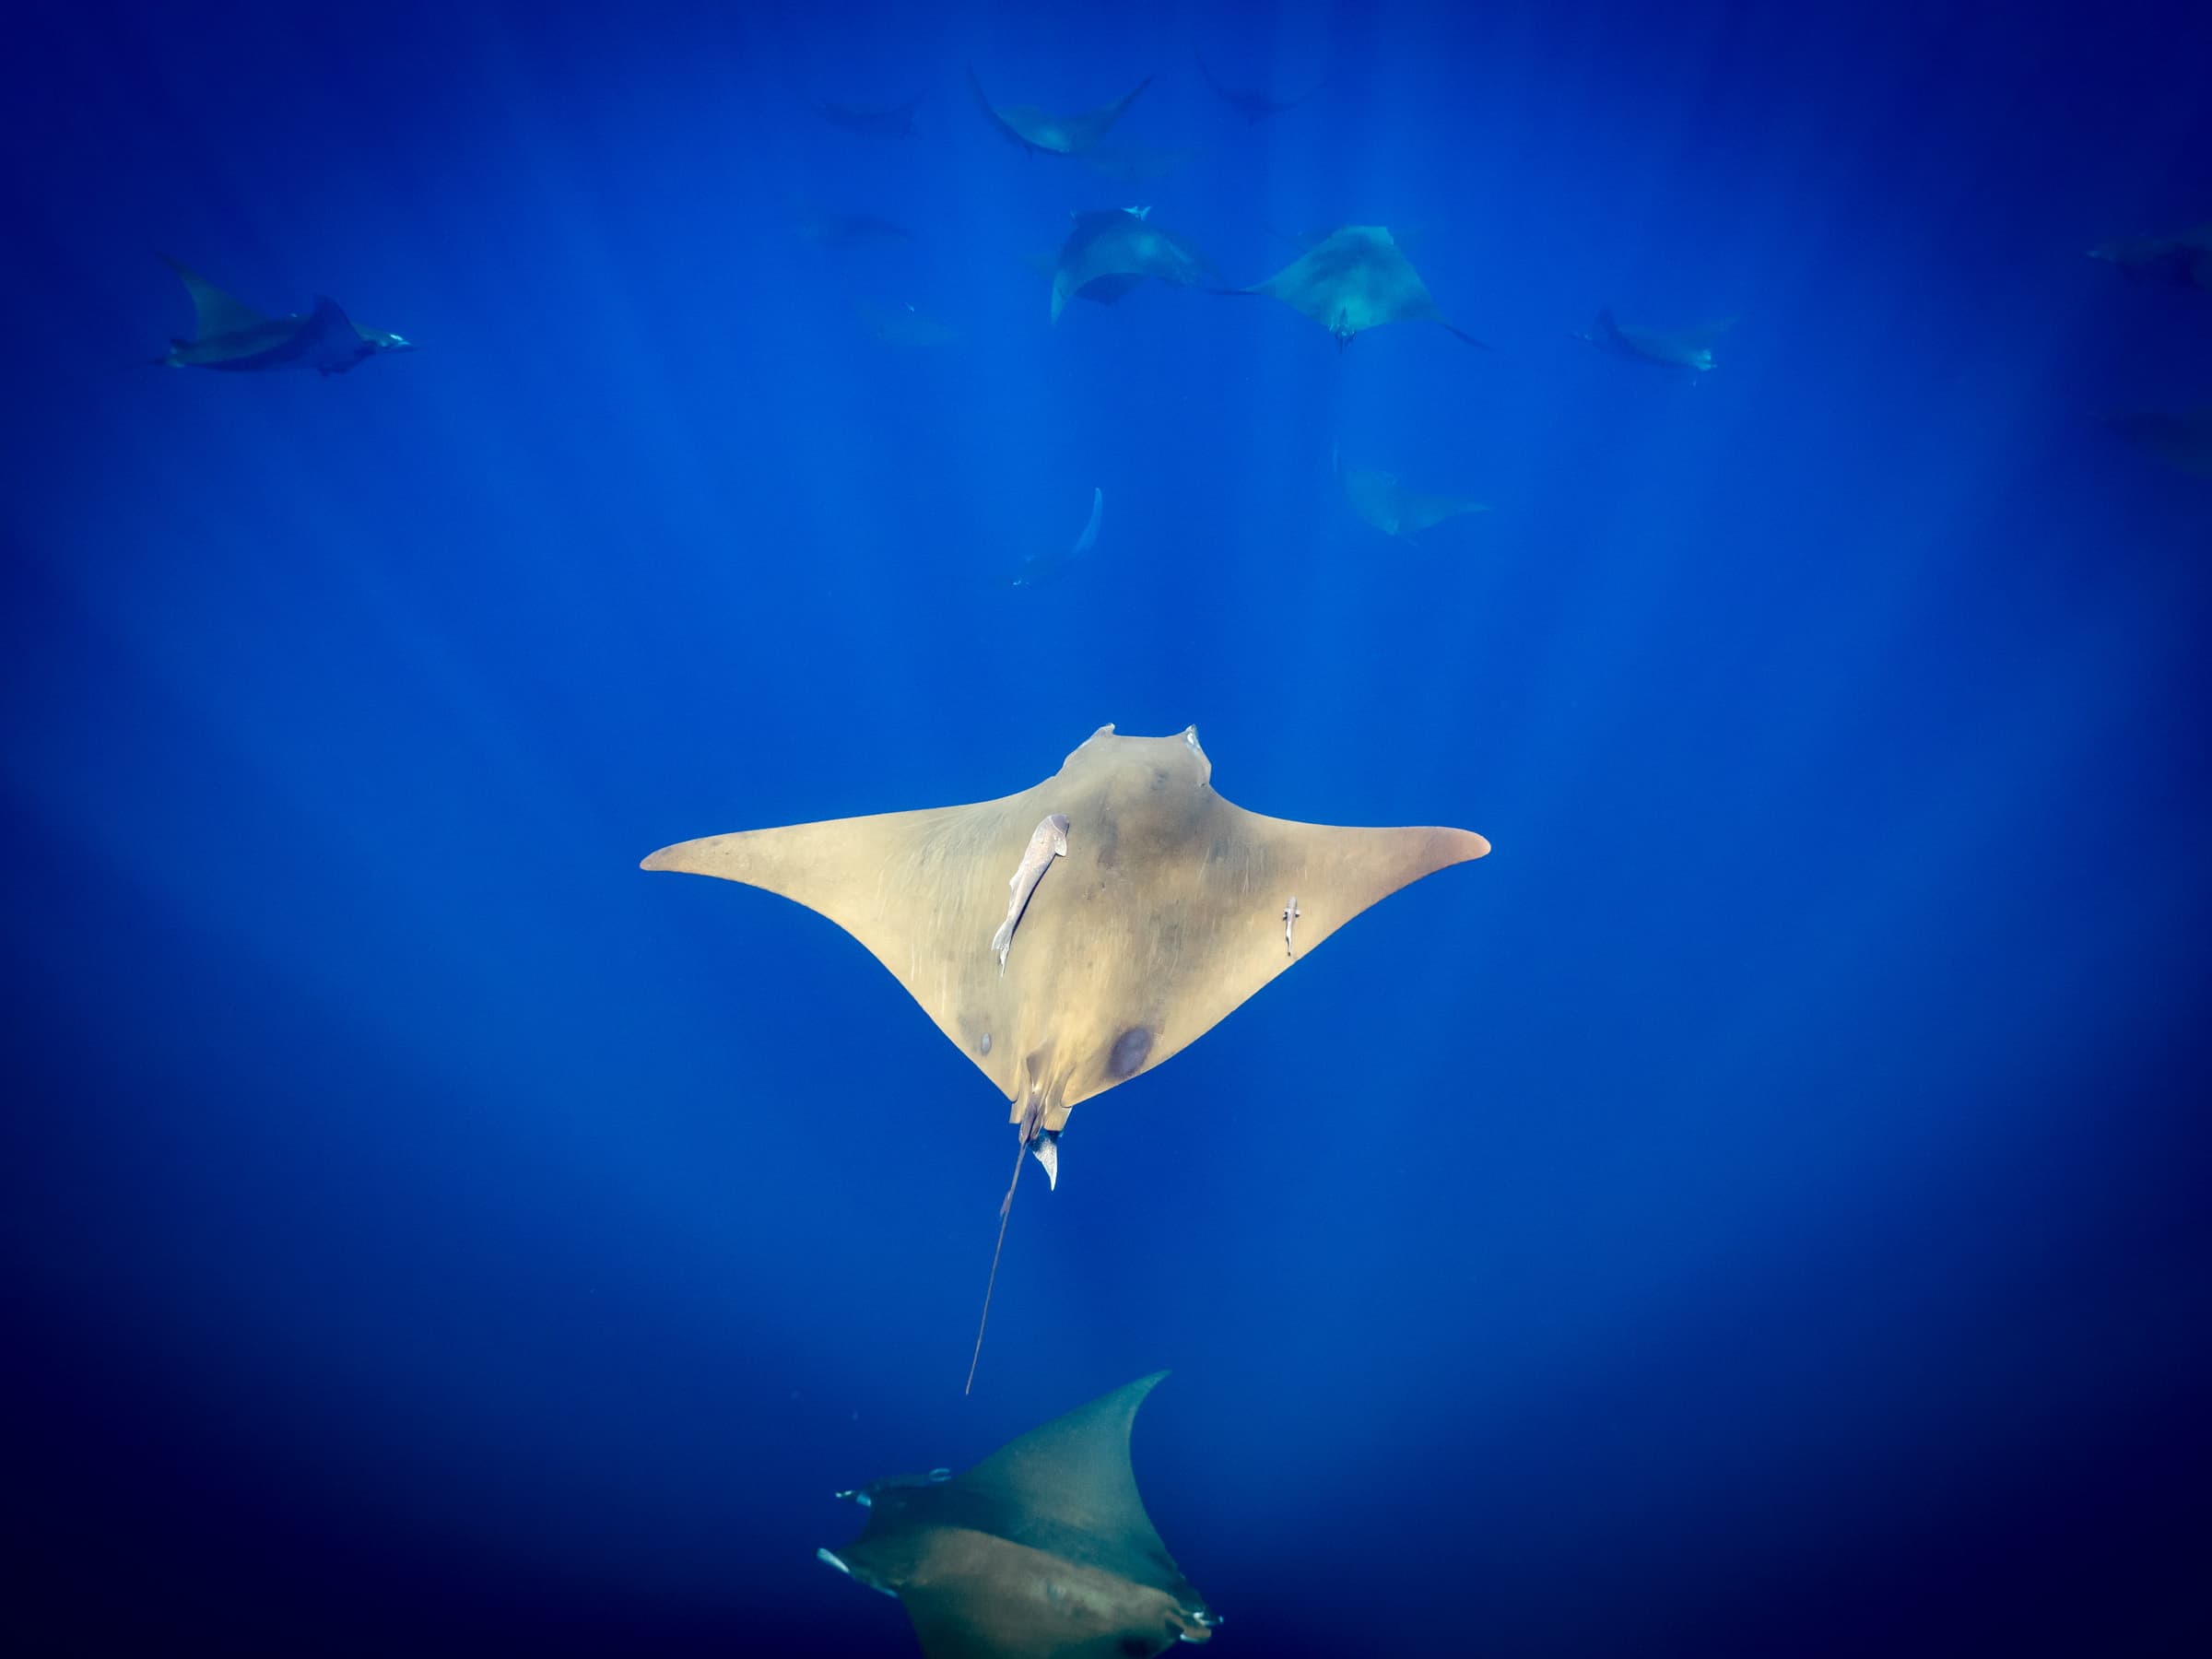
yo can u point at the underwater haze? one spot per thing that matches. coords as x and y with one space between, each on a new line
1763 1208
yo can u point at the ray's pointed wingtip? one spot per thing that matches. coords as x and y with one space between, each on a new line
1464 846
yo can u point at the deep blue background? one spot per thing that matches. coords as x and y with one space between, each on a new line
1762 1208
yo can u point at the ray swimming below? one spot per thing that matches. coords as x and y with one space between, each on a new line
1043 1550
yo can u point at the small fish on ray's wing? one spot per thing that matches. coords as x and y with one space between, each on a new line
1047 842
1290 915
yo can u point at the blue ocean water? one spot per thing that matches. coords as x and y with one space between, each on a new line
1761 1208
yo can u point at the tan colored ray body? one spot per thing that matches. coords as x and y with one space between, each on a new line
1041 1551
1165 914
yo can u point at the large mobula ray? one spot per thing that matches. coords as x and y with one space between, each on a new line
1352 280
1041 1551
1688 349
1116 251
230 334
1058 134
1074 935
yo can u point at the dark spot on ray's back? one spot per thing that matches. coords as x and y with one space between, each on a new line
1130 1051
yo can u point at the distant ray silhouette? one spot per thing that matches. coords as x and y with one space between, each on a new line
1041 568
230 334
1352 280
1033 129
1121 248
1255 107
1688 349
1390 506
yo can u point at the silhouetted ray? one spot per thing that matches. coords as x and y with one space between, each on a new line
1256 106
1041 1551
1118 244
230 334
1390 506
1057 134
1046 567
1688 349
1355 279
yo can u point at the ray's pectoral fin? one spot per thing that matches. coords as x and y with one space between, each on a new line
214 311
915 888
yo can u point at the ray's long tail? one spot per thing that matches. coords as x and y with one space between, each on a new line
1005 1212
